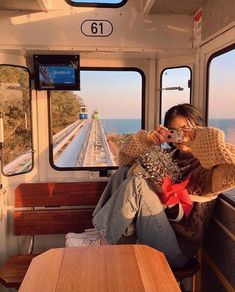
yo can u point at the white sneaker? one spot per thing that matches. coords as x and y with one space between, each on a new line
81 235
87 238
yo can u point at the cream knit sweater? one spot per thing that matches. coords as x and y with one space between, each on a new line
216 157
212 167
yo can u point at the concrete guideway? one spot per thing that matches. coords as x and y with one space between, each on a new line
88 147
97 152
81 144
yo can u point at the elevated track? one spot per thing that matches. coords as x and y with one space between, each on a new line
81 144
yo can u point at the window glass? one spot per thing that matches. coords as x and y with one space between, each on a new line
88 126
175 88
16 129
221 102
103 3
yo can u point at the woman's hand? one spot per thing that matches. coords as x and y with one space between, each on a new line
157 136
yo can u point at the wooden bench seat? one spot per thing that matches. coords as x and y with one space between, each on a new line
50 202
57 208
49 208
14 270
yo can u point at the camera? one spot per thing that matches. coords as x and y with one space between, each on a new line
174 136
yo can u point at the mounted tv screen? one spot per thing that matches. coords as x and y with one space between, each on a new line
57 72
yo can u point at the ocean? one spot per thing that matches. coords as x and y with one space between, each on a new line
128 126
227 126
121 126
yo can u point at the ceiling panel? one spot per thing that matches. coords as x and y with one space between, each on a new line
176 6
37 5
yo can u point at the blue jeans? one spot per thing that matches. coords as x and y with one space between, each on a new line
131 201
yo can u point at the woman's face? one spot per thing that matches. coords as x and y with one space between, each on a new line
181 123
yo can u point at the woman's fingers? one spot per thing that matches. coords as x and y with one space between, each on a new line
160 137
153 137
157 136
162 130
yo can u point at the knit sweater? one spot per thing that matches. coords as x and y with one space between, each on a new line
210 156
211 163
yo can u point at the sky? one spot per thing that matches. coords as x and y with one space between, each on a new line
221 86
176 77
117 94
114 94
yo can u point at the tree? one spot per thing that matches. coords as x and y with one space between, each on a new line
65 106
15 106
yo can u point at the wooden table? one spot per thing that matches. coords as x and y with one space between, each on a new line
114 268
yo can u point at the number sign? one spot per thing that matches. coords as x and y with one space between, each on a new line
97 28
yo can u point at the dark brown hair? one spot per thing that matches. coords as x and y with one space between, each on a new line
186 110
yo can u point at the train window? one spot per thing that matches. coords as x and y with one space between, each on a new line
87 126
175 88
221 102
97 3
15 108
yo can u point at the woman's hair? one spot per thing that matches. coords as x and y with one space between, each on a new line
186 110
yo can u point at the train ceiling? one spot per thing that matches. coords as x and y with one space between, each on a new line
172 6
30 5
148 6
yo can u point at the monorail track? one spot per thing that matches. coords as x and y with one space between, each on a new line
81 144
96 150
86 146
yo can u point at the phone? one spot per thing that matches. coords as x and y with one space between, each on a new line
174 136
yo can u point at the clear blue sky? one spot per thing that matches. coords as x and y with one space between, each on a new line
222 86
114 94
177 77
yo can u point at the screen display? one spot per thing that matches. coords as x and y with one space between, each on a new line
50 75
56 72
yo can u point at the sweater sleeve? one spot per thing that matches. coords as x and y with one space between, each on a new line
132 147
210 148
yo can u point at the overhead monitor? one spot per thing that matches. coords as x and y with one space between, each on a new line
57 72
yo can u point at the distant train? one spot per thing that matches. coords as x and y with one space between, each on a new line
83 114
95 115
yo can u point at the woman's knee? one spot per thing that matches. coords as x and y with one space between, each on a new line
146 192
121 172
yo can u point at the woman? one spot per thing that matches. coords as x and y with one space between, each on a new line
130 204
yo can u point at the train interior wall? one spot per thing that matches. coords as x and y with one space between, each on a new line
152 52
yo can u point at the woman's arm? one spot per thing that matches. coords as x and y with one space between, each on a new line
211 150
209 147
136 144
132 147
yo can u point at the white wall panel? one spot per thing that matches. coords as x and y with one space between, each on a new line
60 29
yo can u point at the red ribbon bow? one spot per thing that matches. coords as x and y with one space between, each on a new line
176 193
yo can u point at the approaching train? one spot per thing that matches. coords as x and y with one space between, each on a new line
78 77
83 113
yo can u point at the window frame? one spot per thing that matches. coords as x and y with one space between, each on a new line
103 169
99 5
31 122
191 78
214 55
